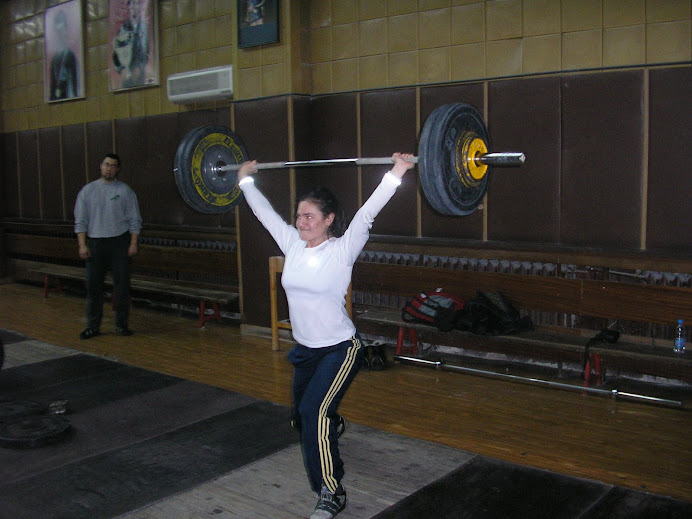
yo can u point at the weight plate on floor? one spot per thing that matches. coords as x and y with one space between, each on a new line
197 161
34 431
449 182
10 411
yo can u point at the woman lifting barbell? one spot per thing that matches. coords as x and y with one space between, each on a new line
320 252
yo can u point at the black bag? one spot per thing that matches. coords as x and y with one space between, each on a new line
491 313
439 309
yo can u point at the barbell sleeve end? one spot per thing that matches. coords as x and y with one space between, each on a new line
502 159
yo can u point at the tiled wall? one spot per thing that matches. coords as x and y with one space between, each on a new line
361 44
193 35
341 45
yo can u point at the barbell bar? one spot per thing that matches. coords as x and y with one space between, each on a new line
500 159
453 163
614 393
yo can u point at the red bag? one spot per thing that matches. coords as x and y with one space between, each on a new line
439 309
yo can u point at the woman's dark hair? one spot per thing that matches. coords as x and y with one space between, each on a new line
327 203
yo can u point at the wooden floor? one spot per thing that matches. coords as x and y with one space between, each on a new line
618 442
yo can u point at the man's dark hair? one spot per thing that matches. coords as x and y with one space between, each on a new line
114 156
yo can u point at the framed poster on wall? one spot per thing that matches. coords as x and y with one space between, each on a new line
258 22
133 44
63 52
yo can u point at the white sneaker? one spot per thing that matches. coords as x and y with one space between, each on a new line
329 504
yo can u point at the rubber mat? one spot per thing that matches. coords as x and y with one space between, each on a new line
485 488
142 439
8 337
137 437
84 380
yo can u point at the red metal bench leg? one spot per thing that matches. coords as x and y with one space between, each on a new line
400 341
46 286
204 318
411 348
201 315
599 375
413 339
594 360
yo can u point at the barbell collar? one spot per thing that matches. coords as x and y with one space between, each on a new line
502 159
491 159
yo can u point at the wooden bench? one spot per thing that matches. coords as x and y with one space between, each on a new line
162 269
581 297
605 299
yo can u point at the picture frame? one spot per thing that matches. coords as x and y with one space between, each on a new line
133 44
64 52
258 22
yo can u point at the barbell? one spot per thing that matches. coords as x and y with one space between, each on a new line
453 163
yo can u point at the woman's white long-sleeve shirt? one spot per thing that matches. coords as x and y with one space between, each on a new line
316 279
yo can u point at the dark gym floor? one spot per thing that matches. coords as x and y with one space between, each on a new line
147 445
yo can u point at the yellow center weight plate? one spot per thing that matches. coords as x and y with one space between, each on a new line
470 147
201 183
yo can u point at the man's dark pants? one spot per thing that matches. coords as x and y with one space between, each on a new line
105 253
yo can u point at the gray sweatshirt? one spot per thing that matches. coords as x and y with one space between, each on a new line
106 209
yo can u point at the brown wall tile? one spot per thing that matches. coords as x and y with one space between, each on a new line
153 178
74 165
602 159
28 177
10 180
669 211
3 193
388 124
51 174
302 128
524 203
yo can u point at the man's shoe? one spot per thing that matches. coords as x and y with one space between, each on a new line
125 332
88 333
329 504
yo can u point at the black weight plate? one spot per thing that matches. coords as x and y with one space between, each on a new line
10 411
201 152
437 166
34 431
432 180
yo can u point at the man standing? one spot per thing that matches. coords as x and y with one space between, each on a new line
107 223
